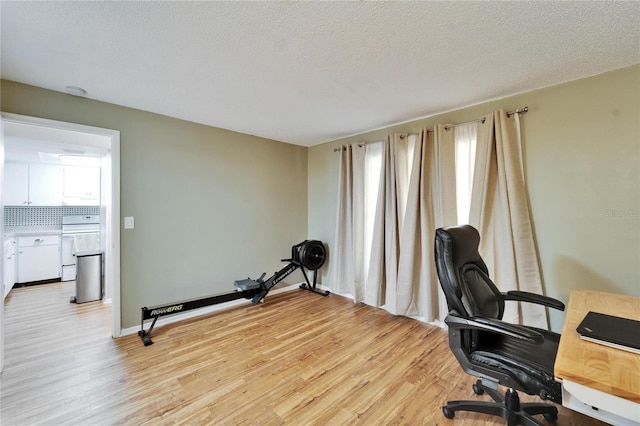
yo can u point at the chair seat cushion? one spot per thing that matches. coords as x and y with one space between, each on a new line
529 363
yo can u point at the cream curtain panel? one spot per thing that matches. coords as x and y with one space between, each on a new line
386 259
500 211
430 203
360 182
393 195
348 244
444 193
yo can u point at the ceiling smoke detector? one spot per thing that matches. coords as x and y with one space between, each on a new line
76 91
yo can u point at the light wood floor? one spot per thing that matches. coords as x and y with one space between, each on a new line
297 359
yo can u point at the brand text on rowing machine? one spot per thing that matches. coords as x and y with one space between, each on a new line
174 308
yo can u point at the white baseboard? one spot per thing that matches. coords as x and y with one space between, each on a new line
214 308
436 322
202 311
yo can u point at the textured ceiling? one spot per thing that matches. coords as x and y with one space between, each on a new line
311 72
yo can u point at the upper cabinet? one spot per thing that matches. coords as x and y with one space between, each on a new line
81 186
16 184
32 185
45 185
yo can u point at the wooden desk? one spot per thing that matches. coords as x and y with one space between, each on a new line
597 380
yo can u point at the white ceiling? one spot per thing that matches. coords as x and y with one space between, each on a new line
27 143
311 72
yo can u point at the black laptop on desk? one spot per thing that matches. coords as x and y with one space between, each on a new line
620 333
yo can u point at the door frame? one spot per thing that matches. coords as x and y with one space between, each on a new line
109 205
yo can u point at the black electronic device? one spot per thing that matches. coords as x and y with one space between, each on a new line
609 330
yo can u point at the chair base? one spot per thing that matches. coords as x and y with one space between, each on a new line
508 407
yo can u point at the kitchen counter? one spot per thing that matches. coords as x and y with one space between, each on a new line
19 231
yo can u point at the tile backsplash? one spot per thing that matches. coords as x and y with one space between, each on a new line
35 216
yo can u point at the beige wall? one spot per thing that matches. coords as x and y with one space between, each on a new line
211 206
582 152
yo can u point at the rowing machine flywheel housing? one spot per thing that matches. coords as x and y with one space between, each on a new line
310 253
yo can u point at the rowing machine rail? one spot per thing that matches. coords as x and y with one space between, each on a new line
309 254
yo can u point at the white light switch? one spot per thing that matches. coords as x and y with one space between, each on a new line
128 222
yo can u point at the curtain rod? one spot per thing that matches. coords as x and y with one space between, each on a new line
518 111
483 119
360 145
448 127
451 126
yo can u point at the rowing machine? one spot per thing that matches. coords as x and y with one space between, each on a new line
309 254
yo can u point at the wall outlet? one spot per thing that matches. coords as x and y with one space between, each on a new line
128 222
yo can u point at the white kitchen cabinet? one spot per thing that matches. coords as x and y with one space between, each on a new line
45 185
10 253
81 186
39 258
33 185
16 184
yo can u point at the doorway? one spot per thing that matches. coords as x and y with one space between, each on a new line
106 142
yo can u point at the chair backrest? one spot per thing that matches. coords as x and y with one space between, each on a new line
463 275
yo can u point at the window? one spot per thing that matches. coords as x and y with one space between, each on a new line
372 175
465 139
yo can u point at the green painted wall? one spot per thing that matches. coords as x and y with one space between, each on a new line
211 206
581 143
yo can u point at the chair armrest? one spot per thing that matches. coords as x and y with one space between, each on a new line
525 296
493 325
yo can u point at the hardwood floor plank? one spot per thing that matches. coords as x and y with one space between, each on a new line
297 359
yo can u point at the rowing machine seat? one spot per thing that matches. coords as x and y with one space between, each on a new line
247 285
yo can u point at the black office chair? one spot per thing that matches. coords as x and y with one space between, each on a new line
515 356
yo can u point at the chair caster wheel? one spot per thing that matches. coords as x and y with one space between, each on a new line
447 412
477 389
550 417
